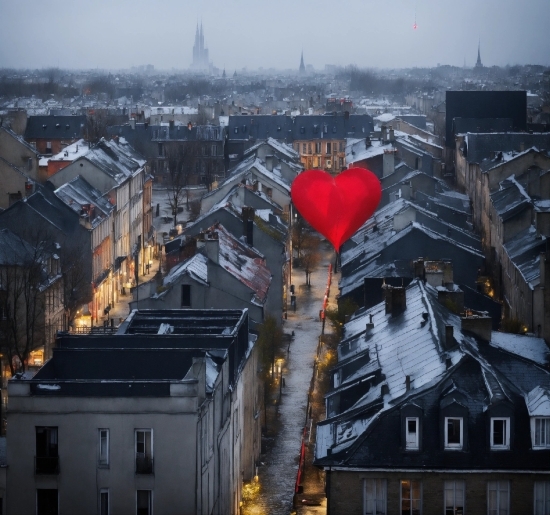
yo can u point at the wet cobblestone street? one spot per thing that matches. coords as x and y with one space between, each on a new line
277 474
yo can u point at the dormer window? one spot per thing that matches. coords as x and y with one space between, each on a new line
500 433
540 430
453 433
538 406
411 433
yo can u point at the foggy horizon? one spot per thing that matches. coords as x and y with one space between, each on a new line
259 34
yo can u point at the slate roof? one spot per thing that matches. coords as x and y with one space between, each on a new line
243 262
302 127
118 160
282 148
482 146
55 127
79 192
365 431
13 249
141 360
183 133
510 200
524 251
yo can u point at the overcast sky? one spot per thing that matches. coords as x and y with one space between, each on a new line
114 34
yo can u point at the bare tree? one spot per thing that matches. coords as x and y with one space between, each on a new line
96 125
311 257
23 282
77 288
180 161
298 235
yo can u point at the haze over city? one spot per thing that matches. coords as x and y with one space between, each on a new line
259 33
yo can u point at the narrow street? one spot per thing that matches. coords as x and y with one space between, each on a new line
277 475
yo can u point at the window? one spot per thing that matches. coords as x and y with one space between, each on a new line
329 163
103 447
500 433
453 433
48 146
204 151
104 501
329 148
454 497
411 433
374 495
144 451
542 497
160 150
342 146
269 192
144 502
304 148
309 148
213 150
411 497
540 432
185 295
318 147
498 498
341 162
47 502
47 461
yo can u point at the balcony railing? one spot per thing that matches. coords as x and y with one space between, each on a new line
144 464
46 465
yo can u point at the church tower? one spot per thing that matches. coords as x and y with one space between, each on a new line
201 59
302 69
478 63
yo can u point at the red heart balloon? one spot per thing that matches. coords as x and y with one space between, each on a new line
336 206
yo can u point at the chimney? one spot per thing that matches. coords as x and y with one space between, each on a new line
368 142
247 216
269 163
449 337
395 298
407 383
383 133
452 299
419 269
133 123
370 324
392 134
388 163
480 324
211 243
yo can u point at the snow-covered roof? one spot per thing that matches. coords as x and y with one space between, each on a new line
528 347
538 402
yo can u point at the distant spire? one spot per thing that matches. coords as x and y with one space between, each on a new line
478 63
302 66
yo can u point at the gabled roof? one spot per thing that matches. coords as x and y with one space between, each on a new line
524 251
282 148
13 249
510 199
243 262
55 127
117 160
20 140
78 193
482 146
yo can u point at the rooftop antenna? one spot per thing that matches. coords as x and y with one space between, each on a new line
415 26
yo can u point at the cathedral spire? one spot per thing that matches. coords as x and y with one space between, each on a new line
478 63
302 66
